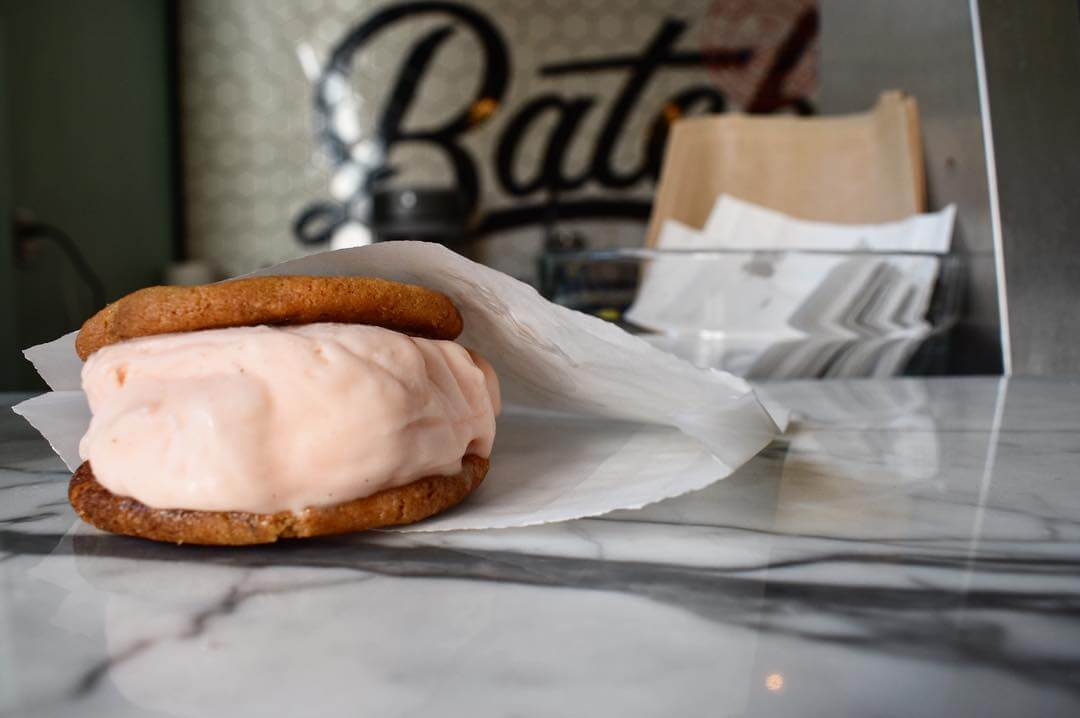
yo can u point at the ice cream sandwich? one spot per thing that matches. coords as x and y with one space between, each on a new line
279 407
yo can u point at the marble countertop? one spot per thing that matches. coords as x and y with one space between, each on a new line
909 548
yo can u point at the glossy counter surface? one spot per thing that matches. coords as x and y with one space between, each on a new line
909 548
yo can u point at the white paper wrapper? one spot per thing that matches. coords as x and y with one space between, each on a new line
643 425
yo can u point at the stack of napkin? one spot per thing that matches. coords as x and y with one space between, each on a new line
765 295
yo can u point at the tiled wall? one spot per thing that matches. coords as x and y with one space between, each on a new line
251 163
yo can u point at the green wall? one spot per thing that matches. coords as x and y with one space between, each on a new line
8 353
89 139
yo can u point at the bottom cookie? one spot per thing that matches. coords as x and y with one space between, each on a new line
402 505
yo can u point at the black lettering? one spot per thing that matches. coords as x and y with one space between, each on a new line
708 99
551 174
320 220
655 55
770 96
391 124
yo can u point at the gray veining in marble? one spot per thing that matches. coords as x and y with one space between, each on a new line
910 548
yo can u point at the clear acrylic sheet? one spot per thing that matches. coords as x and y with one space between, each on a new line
782 297
596 419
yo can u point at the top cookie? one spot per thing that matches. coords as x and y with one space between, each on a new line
400 307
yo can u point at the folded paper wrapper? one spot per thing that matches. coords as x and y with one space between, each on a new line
595 419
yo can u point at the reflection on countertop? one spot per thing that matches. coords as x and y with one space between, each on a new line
909 548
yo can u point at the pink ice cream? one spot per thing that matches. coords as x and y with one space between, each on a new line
265 419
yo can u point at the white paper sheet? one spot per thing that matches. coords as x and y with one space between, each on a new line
659 428
786 298
737 224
